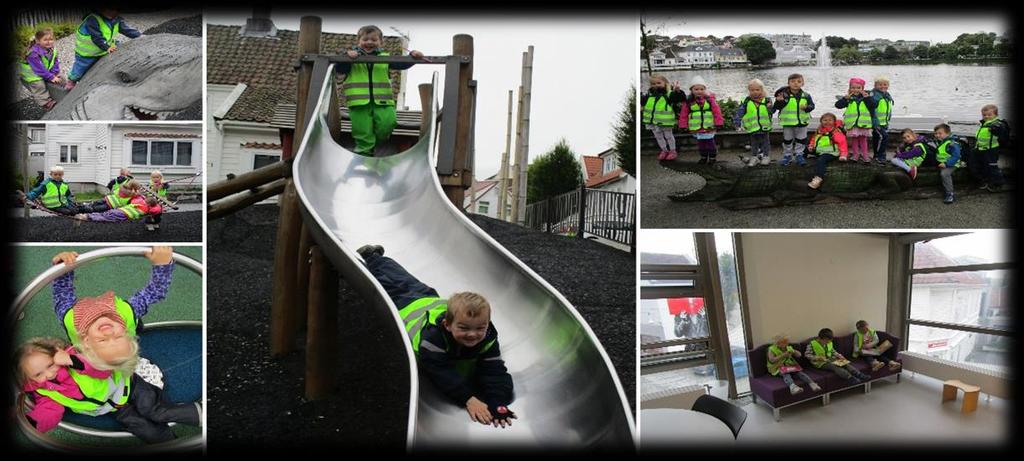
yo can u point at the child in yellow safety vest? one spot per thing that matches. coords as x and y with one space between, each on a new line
121 196
794 106
368 92
137 208
701 116
870 347
44 373
822 356
659 113
754 116
95 38
104 330
911 152
858 118
782 363
949 156
55 194
829 143
883 115
39 67
159 186
992 138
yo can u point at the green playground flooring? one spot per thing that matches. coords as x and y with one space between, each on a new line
123 275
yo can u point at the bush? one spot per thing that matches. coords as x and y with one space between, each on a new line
554 173
729 107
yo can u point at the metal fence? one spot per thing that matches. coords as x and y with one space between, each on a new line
609 215
31 17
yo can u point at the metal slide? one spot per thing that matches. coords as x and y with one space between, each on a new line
567 392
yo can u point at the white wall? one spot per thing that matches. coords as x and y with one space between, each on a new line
491 197
798 283
215 96
233 158
120 152
92 152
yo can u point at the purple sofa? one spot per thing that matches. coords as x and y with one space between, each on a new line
775 393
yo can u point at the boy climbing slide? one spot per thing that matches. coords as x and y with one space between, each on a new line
454 340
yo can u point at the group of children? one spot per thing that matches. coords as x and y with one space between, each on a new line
866 116
98 370
820 353
127 200
94 38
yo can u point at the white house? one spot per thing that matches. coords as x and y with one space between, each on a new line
727 57
603 172
251 92
793 55
952 297
92 154
791 40
483 199
696 56
36 133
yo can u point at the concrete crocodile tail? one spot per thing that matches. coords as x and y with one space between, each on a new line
152 77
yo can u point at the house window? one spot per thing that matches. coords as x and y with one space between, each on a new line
37 135
609 164
482 207
68 153
262 160
162 153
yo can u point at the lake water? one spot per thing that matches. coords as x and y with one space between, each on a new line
952 92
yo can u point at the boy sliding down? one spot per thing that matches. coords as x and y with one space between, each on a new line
455 343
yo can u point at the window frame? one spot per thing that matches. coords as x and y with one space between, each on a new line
60 148
130 152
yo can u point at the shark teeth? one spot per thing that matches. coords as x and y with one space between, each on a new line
132 112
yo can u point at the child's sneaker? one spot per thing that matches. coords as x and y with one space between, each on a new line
877 365
156 226
913 172
865 161
366 250
948 198
815 183
765 160
800 160
752 162
853 381
881 161
862 376
150 227
815 387
843 159
785 160
794 389
671 155
662 154
894 365
69 85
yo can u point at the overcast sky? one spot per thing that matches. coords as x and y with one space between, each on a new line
935 27
582 71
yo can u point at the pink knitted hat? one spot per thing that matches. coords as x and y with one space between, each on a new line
87 310
858 81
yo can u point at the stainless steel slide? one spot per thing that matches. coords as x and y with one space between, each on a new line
567 393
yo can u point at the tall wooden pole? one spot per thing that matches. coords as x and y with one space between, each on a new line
524 135
503 175
284 297
322 337
455 185
426 104
516 177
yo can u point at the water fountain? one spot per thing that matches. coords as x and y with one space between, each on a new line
824 54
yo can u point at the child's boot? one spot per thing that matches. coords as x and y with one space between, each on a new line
662 155
671 155
70 85
948 198
894 365
913 172
150 227
800 160
765 160
366 250
815 387
815 183
794 389
752 162
876 365
786 158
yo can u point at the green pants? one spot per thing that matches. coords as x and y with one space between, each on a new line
371 123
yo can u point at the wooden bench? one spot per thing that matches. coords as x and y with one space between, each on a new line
971 393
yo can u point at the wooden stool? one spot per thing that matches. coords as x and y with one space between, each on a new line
971 394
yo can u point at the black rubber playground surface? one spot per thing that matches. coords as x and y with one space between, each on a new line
175 226
256 400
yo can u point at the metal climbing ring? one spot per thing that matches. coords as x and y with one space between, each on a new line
47 277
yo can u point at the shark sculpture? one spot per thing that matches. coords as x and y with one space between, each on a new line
153 77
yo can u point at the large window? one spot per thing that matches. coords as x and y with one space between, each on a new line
162 153
262 160
960 298
68 153
37 135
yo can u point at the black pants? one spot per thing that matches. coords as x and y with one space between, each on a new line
98 206
147 413
400 285
984 165
65 210
153 218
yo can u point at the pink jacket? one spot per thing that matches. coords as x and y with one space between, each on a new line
716 112
47 413
838 138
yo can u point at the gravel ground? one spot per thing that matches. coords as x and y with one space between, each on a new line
973 211
176 226
251 395
181 21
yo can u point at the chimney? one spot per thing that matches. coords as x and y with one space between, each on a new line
260 24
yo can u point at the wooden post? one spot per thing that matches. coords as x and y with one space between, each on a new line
461 178
426 104
503 176
284 297
322 334
516 177
523 143
302 277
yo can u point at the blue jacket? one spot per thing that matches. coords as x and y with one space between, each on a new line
39 190
92 28
490 381
953 150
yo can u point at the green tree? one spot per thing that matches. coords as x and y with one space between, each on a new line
875 55
835 43
890 53
624 134
849 55
985 49
556 172
920 51
1004 49
758 49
